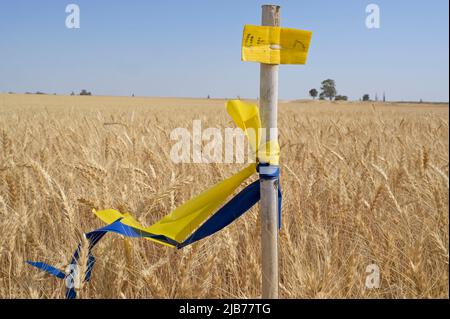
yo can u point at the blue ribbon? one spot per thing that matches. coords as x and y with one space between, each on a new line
226 215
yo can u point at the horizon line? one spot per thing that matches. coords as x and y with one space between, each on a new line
221 98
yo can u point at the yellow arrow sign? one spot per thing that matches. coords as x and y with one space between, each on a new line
275 45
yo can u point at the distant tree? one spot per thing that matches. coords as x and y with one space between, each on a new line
321 96
208 97
313 93
341 98
329 89
40 93
72 94
84 92
366 97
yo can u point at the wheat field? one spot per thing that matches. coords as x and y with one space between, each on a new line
362 183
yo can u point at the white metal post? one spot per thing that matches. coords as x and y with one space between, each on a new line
269 187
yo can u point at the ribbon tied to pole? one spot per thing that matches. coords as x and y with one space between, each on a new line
199 217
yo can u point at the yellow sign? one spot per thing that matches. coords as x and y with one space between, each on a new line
275 45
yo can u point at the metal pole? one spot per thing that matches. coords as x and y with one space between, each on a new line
269 188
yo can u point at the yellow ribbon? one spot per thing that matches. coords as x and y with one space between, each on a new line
185 219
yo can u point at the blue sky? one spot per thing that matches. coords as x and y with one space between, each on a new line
192 48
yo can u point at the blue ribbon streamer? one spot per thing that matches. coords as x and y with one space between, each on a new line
226 215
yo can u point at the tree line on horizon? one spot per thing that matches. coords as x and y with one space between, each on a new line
82 93
328 91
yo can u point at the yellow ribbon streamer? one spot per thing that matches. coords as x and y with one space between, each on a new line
181 222
185 219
